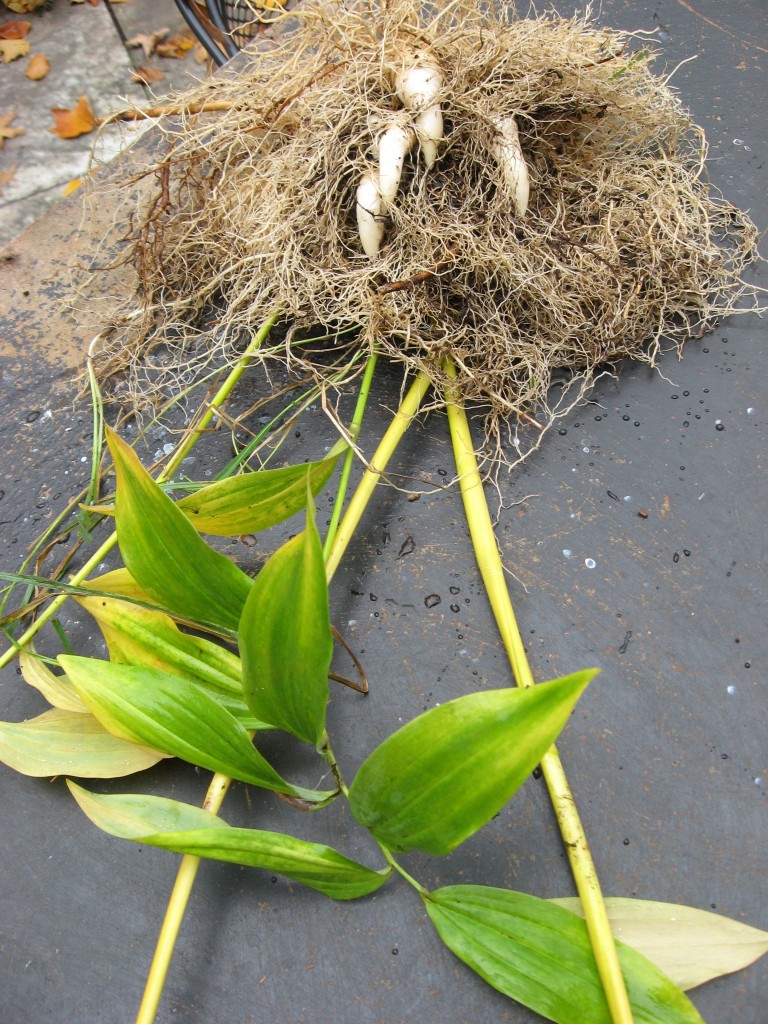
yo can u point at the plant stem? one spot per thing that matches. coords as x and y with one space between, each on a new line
346 469
401 870
174 914
213 406
219 784
409 407
219 398
571 828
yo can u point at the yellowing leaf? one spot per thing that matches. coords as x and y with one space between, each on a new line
690 946
38 67
57 690
120 583
12 49
80 120
67 743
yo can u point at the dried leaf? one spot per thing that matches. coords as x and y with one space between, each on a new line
148 41
6 177
23 6
72 186
177 46
147 74
15 29
38 67
201 55
691 946
12 49
80 120
6 132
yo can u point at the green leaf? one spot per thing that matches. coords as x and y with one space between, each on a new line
690 946
440 778
62 742
285 638
177 716
164 553
170 825
540 954
57 690
139 636
253 502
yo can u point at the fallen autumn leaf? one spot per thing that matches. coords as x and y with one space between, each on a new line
80 120
15 29
38 67
6 177
12 49
147 74
6 132
147 41
177 46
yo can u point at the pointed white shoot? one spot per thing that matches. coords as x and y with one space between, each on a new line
429 131
394 145
509 155
370 214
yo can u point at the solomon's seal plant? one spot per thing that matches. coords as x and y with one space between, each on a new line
503 207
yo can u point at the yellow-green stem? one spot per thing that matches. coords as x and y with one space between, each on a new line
400 422
217 790
346 469
213 406
174 914
571 828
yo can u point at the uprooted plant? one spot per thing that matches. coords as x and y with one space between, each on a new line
504 206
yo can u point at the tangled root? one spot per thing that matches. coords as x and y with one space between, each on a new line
624 242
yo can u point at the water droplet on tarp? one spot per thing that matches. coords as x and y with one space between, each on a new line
731 690
432 600
590 563
567 553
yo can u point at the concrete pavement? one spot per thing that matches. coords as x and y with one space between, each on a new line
85 44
